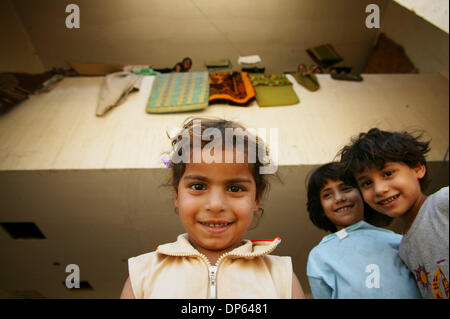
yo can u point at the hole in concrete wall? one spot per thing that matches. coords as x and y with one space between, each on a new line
23 230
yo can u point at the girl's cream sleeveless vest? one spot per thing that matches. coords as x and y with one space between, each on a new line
178 270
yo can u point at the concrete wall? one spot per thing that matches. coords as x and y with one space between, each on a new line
162 32
92 184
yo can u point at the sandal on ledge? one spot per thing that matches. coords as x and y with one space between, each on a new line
347 77
307 79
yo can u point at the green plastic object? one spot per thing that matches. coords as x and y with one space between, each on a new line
144 71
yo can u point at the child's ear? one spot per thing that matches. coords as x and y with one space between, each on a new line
175 197
256 205
420 170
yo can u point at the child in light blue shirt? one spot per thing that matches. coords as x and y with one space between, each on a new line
357 260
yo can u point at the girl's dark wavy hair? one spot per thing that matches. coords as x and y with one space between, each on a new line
316 182
255 142
376 147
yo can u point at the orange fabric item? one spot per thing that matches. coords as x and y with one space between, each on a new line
234 87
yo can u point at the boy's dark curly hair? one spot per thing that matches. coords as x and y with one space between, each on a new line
317 181
376 147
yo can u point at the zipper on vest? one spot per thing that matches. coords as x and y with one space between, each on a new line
213 269
212 282
212 274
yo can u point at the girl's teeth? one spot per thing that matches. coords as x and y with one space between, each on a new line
215 225
342 209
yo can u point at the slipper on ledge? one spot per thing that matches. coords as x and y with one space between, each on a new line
347 77
307 79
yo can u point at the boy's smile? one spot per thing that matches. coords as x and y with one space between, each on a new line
388 202
216 204
394 189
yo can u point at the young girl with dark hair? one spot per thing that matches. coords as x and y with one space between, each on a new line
216 202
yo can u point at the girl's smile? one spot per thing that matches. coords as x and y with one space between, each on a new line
216 227
344 209
341 203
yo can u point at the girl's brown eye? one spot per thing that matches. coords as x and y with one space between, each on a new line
235 189
197 187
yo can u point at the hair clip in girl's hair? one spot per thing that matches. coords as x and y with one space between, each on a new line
166 161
